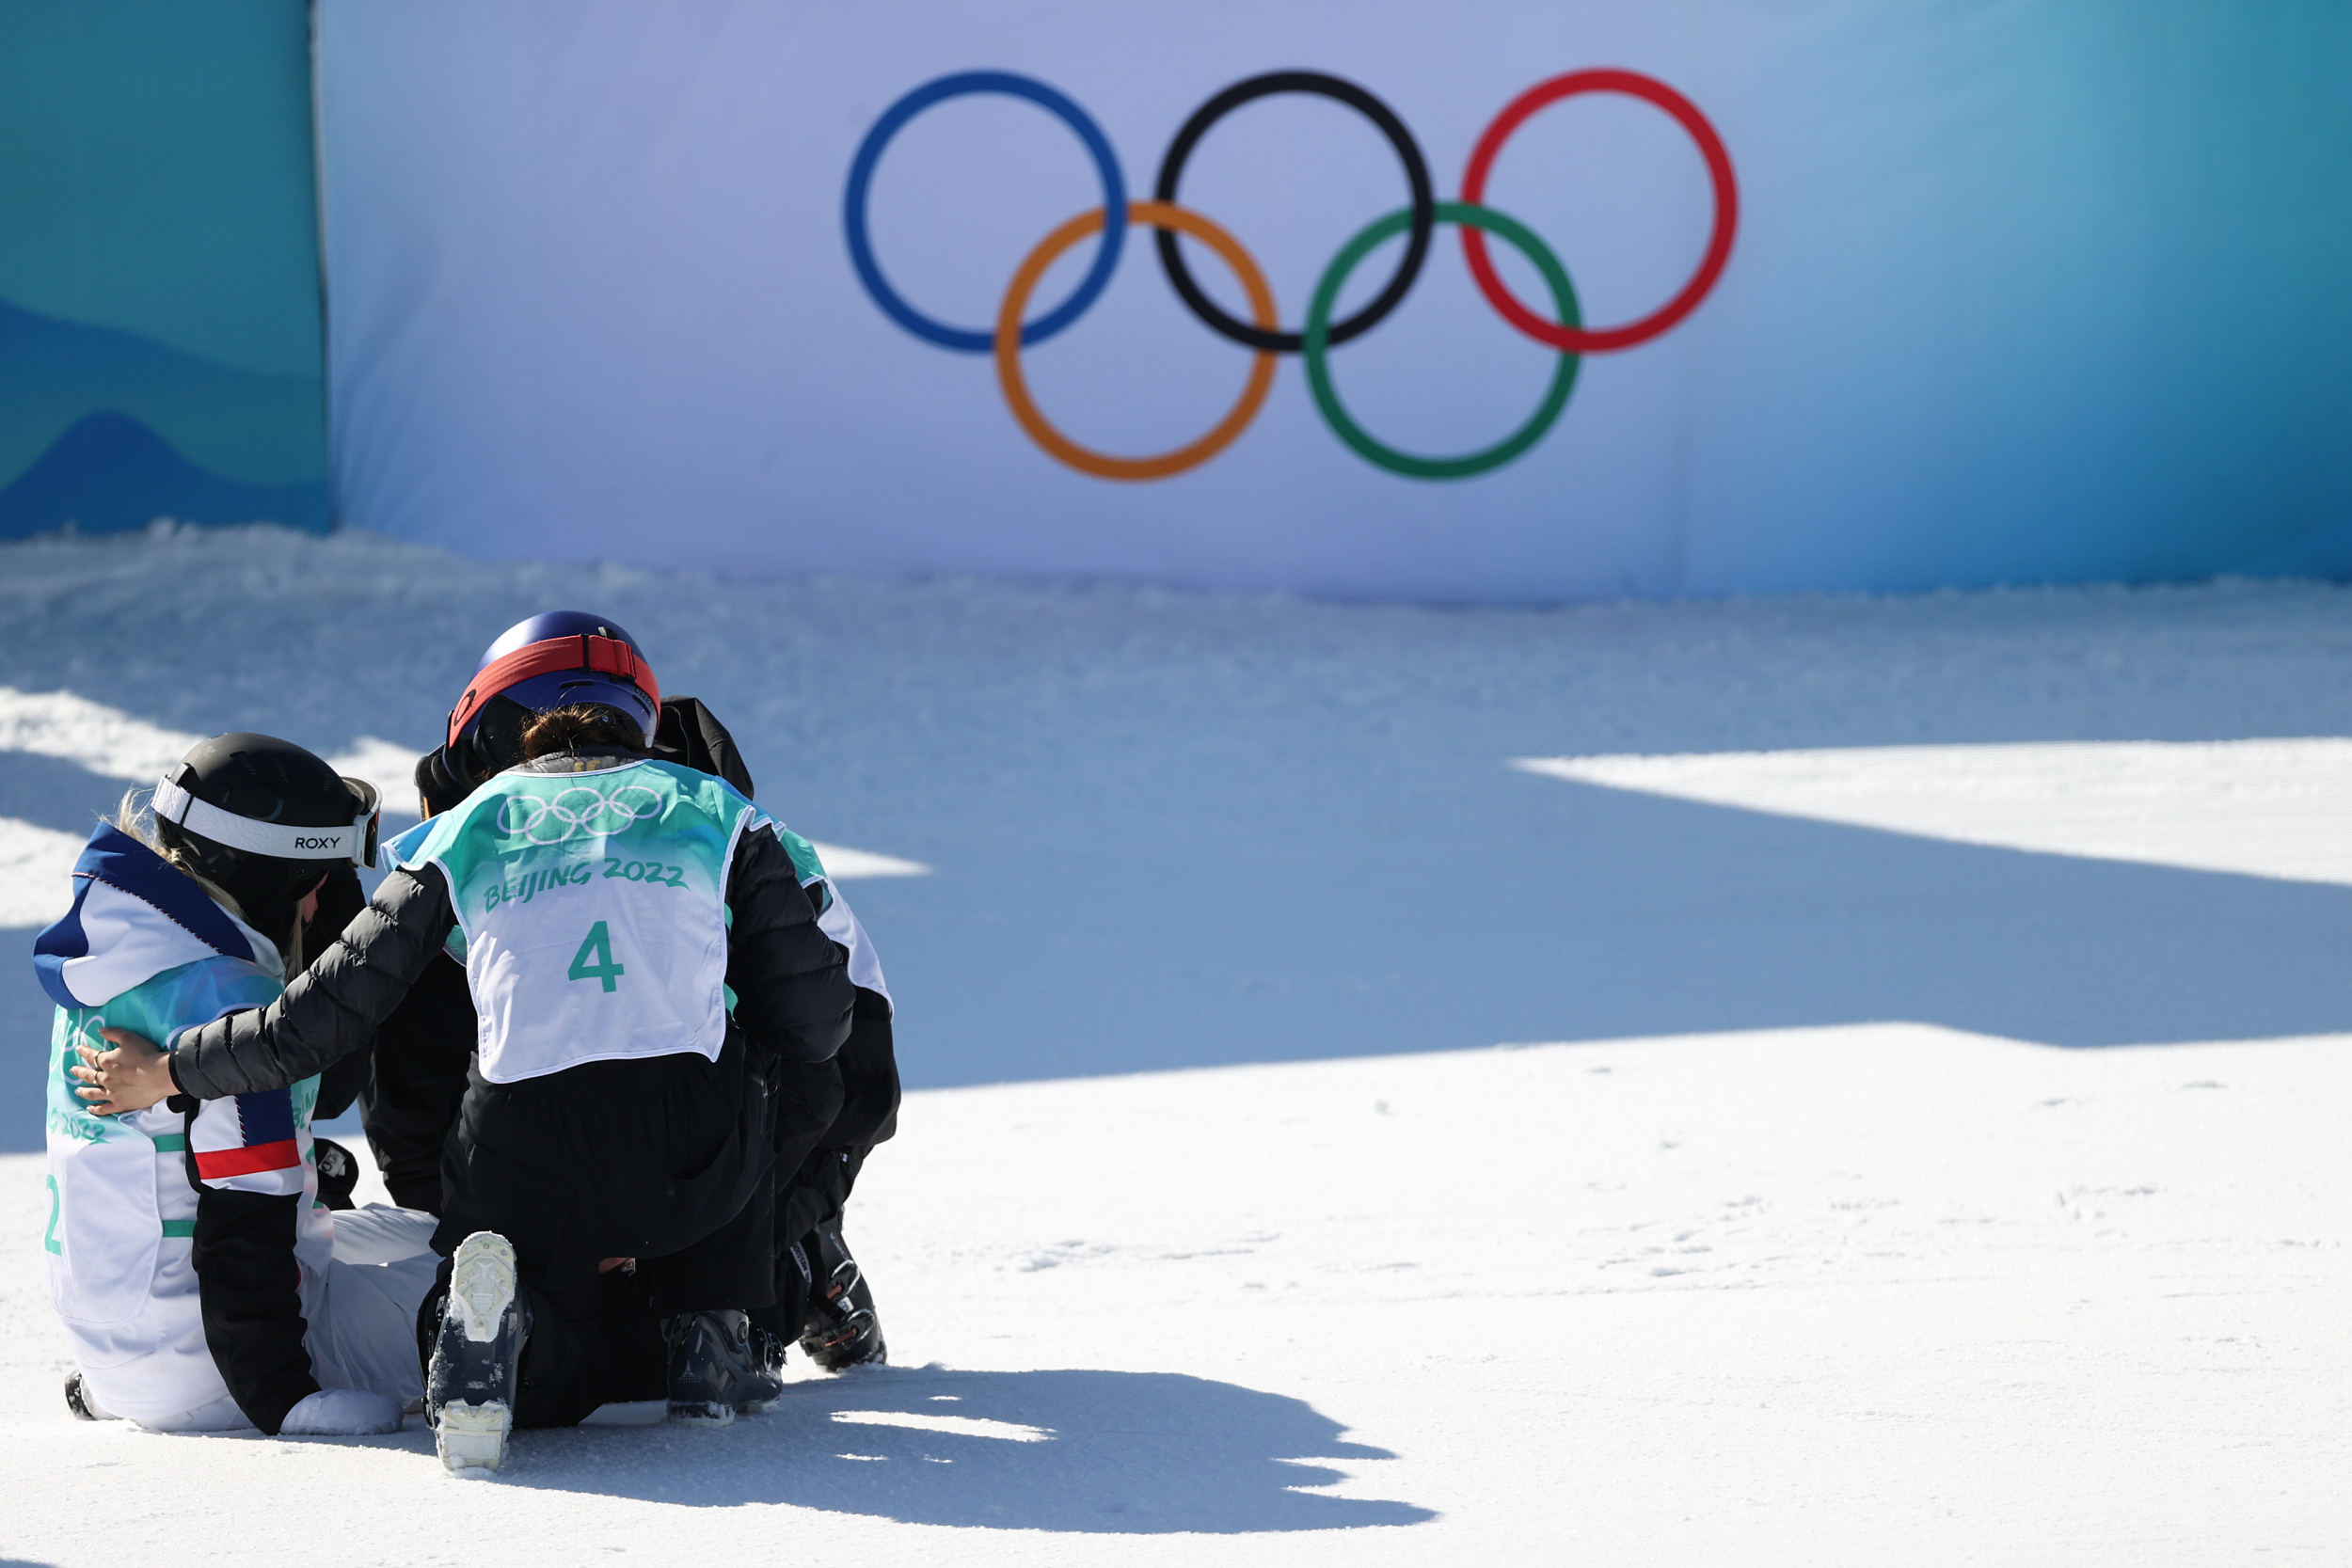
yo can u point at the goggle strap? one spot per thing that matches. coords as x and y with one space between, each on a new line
282 840
606 655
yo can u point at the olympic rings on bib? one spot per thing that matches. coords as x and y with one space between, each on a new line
581 809
1417 221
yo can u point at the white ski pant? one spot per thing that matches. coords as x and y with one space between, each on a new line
362 1317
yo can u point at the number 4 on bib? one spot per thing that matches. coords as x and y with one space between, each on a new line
597 945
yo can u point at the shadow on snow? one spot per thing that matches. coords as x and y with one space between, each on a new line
1118 1453
1538 910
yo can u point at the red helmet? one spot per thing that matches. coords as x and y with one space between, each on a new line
552 661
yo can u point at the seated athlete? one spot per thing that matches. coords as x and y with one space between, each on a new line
644 951
199 1279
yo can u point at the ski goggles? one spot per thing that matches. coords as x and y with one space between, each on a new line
283 841
605 656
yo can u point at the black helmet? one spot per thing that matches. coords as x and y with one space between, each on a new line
264 818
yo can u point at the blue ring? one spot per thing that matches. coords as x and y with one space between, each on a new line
862 177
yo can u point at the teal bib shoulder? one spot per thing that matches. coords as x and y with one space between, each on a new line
592 906
522 837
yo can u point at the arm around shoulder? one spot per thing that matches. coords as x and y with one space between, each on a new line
333 1008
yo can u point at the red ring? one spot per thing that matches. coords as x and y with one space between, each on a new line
1577 340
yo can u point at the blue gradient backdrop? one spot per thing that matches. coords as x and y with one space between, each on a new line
161 346
2024 291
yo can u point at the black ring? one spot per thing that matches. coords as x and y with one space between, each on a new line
1424 206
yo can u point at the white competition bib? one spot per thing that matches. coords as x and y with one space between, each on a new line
593 908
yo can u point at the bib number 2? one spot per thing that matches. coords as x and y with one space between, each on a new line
596 946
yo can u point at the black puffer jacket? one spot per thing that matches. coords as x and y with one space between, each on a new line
415 1081
411 1084
791 982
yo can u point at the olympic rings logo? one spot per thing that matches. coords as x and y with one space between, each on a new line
581 809
1563 330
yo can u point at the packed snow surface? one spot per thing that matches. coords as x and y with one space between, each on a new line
1864 1294
1229 1202
2266 808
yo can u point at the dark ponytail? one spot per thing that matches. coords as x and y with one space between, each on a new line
568 729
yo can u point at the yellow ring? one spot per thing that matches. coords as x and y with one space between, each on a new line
1160 214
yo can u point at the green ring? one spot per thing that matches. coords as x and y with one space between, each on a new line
1315 349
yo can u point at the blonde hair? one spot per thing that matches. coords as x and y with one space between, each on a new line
133 815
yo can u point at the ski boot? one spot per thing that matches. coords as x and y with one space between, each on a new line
716 1369
477 1356
767 1384
339 1173
77 1399
841 1330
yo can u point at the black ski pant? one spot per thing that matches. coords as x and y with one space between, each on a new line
665 1158
818 1159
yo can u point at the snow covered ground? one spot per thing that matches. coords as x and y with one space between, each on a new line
1813 1237
1855 1295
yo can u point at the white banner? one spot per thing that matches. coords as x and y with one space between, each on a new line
1878 296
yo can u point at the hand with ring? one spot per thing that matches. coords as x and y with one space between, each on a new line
137 1074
